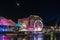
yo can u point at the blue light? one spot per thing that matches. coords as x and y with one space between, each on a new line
4 28
39 36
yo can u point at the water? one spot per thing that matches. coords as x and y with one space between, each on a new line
56 36
3 37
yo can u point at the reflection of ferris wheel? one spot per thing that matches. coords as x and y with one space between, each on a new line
38 23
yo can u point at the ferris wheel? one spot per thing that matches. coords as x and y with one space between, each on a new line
38 25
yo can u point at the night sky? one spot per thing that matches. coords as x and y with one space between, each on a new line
48 10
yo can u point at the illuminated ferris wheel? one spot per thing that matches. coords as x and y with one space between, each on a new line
38 25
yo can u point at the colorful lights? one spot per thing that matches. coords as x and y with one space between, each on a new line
19 25
11 23
3 37
31 28
4 22
4 28
38 25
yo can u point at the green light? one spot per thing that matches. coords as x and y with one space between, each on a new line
19 25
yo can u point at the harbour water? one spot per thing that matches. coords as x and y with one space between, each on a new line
56 36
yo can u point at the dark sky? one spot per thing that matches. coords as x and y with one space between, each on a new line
48 10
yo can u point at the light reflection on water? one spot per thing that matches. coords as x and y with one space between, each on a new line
29 37
3 37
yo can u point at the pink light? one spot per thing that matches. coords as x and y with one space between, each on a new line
4 22
5 37
30 27
0 23
11 23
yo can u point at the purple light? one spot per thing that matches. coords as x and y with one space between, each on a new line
4 22
30 27
3 37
